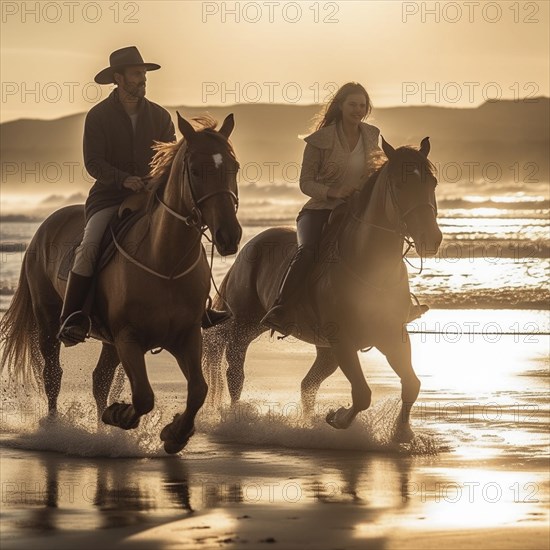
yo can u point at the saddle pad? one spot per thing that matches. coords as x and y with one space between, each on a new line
119 226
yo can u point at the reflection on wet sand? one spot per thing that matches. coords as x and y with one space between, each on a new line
75 496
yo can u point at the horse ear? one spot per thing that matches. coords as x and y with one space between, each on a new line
185 128
387 148
227 126
425 146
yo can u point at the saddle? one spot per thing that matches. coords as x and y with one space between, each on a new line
328 244
122 221
119 226
305 306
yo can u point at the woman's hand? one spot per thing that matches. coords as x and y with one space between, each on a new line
341 192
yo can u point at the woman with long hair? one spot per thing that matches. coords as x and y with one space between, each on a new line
338 160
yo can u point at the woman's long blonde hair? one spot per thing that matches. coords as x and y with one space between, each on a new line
333 112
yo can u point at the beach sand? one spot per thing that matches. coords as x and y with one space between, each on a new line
476 475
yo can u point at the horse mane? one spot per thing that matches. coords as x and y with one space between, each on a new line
165 154
378 161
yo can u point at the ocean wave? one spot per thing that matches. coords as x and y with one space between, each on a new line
7 290
520 204
22 218
13 247
59 200
487 298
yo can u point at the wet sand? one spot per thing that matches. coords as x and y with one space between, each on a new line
476 475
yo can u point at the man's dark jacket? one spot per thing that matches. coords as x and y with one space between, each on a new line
112 152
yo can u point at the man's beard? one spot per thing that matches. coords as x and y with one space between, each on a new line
136 91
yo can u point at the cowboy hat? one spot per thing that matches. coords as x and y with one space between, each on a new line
120 59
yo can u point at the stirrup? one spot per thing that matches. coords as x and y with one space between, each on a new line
212 317
75 329
416 311
272 321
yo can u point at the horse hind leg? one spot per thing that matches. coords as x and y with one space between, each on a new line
124 415
47 325
49 347
324 365
103 376
43 327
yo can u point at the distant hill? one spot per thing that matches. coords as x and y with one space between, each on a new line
502 132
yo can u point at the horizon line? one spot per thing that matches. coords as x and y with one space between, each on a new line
232 105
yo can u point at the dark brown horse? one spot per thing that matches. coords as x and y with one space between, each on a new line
152 294
357 295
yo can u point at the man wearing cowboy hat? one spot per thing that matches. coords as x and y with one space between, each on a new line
118 135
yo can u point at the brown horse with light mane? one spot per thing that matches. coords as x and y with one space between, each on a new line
357 295
152 293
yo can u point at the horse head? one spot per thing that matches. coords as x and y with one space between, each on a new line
211 175
411 186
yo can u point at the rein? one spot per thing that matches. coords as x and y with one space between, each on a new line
152 271
193 220
399 229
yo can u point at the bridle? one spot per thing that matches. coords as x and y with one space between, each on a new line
399 228
195 219
402 216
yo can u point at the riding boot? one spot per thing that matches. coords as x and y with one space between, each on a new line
281 315
416 310
75 324
213 317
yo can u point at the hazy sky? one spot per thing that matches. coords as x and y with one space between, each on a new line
447 53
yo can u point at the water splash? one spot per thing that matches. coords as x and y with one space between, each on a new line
75 431
373 430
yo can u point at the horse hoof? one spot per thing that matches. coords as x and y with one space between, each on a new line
337 419
117 415
173 442
48 420
173 446
403 434
168 433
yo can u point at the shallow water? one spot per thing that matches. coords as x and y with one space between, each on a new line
495 252
479 458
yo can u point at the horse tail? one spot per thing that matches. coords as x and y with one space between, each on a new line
20 351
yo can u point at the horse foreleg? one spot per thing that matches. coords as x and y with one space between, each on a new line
188 355
124 415
325 364
239 339
103 376
214 342
347 358
398 355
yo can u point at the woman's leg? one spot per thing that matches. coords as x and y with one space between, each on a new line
309 228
